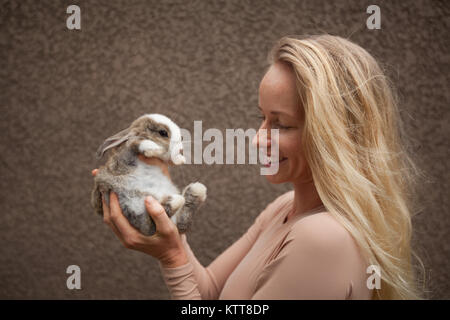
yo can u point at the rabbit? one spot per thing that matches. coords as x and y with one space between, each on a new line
153 135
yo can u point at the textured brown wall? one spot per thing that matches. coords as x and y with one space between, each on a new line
63 92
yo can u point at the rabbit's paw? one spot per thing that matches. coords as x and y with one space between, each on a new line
197 190
172 203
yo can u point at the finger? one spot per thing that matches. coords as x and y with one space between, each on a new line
107 220
116 231
94 172
127 231
106 214
162 221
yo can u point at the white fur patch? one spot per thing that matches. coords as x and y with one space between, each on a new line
149 179
198 190
177 201
176 145
174 129
148 145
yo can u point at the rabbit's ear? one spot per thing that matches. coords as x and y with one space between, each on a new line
114 141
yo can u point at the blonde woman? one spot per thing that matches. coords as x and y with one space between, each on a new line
340 149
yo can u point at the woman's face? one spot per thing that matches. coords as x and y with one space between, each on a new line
280 109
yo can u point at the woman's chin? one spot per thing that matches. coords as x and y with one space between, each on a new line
275 178
280 173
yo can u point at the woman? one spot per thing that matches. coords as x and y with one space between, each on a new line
340 148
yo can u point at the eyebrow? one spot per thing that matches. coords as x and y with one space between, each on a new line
276 112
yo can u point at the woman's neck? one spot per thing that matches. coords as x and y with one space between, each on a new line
305 198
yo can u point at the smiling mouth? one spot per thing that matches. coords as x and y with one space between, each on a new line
268 162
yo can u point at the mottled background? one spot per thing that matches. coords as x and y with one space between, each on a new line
62 92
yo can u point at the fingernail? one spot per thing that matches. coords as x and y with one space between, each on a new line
149 199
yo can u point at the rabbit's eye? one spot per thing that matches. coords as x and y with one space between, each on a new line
163 133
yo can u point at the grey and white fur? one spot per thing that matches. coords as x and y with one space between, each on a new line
152 135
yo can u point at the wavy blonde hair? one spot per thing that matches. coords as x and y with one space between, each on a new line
352 141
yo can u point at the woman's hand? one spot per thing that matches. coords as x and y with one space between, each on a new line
165 245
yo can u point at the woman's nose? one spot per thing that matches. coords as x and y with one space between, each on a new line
261 139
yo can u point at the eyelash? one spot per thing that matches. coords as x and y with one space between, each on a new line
262 118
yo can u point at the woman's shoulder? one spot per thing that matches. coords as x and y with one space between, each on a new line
321 233
326 246
321 228
325 235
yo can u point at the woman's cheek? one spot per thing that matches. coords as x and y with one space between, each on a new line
292 148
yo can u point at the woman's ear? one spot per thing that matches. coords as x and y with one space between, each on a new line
114 141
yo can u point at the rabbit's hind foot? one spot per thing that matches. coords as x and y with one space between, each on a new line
195 193
172 203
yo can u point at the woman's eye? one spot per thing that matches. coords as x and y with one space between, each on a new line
163 133
275 125
279 126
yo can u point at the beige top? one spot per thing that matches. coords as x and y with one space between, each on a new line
310 256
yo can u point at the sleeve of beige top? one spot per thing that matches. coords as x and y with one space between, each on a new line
312 264
192 281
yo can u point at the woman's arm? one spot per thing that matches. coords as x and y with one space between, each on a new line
185 277
194 281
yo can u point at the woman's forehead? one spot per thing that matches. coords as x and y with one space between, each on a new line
279 76
278 91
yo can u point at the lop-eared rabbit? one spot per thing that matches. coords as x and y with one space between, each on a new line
152 135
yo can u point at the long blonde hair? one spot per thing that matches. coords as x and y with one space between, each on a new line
352 141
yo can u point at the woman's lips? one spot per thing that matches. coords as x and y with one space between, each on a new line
268 163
